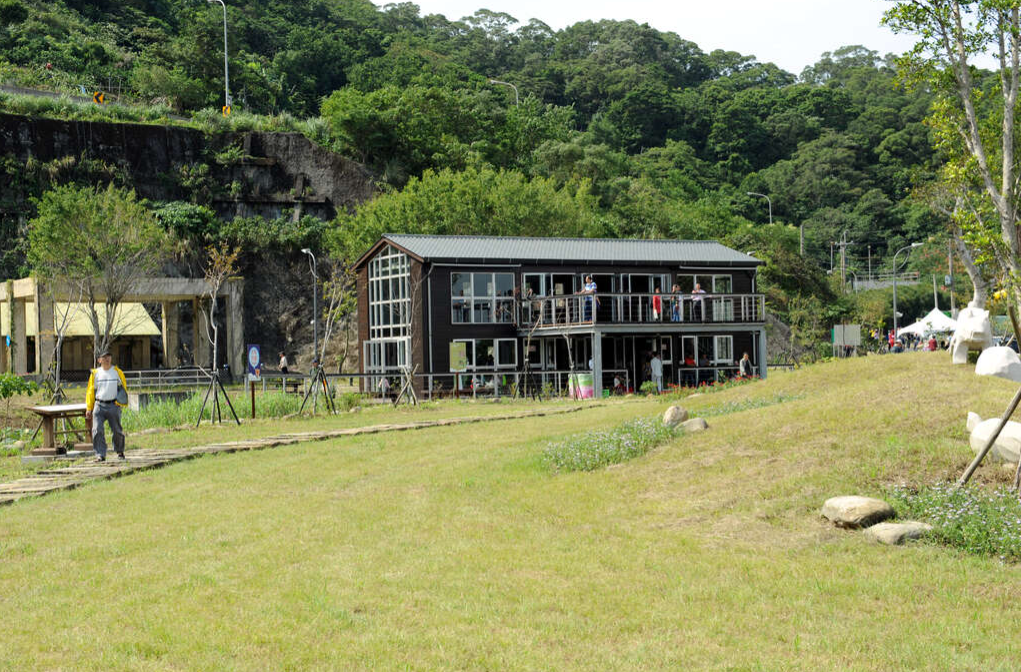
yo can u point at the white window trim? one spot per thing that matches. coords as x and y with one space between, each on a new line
471 297
716 350
496 354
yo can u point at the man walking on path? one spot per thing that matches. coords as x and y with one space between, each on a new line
107 394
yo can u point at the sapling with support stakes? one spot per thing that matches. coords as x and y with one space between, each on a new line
220 265
529 382
318 380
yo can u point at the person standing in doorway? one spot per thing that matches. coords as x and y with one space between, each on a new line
106 395
745 366
656 368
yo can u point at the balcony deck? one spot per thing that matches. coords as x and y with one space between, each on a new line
640 312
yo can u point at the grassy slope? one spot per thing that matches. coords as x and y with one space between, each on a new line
452 549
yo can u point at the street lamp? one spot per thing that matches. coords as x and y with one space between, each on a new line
226 73
906 247
752 193
315 303
497 81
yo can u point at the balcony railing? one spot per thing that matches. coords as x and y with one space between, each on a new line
577 309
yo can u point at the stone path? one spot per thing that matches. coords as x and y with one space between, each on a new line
73 474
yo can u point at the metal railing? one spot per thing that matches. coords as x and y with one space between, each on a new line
558 311
185 376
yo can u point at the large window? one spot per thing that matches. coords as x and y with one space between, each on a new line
481 298
490 353
712 284
389 310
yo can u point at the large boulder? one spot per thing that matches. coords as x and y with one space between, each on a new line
894 534
854 511
1001 362
973 332
674 416
1008 444
695 425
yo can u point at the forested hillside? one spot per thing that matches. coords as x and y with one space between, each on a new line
621 130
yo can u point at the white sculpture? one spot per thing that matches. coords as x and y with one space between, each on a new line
973 333
1007 446
999 361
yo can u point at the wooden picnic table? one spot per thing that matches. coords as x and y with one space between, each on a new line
50 415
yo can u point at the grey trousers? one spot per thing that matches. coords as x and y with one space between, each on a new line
106 412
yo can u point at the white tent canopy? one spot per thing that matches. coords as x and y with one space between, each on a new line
935 321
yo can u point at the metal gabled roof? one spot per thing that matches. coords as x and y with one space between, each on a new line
508 249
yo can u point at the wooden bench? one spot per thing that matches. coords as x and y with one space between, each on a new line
68 412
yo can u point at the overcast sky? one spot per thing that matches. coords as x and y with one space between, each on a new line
790 33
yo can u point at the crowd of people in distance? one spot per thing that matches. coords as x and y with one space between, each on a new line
913 342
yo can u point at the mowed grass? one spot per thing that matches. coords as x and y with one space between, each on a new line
454 548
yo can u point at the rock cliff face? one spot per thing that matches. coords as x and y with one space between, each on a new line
236 174
250 174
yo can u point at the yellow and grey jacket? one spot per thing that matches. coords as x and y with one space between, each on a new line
90 394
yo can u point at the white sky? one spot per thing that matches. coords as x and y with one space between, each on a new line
790 33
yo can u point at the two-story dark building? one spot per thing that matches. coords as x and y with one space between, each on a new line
517 304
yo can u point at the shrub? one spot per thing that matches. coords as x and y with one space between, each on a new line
649 387
12 12
974 519
12 386
599 448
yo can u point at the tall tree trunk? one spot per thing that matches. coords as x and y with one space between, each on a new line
979 285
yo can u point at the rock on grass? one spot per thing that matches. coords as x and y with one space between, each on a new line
853 511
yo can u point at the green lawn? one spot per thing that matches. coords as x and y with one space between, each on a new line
452 548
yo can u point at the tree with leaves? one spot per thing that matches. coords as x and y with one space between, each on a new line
98 243
976 122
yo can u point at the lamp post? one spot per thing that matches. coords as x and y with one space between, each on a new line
497 81
906 247
752 193
226 73
315 303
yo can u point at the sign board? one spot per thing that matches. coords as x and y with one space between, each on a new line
459 356
98 98
226 110
254 362
847 334
946 280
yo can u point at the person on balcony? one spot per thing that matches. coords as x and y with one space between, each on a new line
676 314
591 302
698 303
657 305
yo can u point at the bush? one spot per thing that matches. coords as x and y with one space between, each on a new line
974 519
12 386
595 449
12 12
649 387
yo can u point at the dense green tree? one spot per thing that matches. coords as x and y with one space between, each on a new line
479 202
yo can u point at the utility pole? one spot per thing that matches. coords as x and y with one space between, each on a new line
843 258
831 256
870 264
